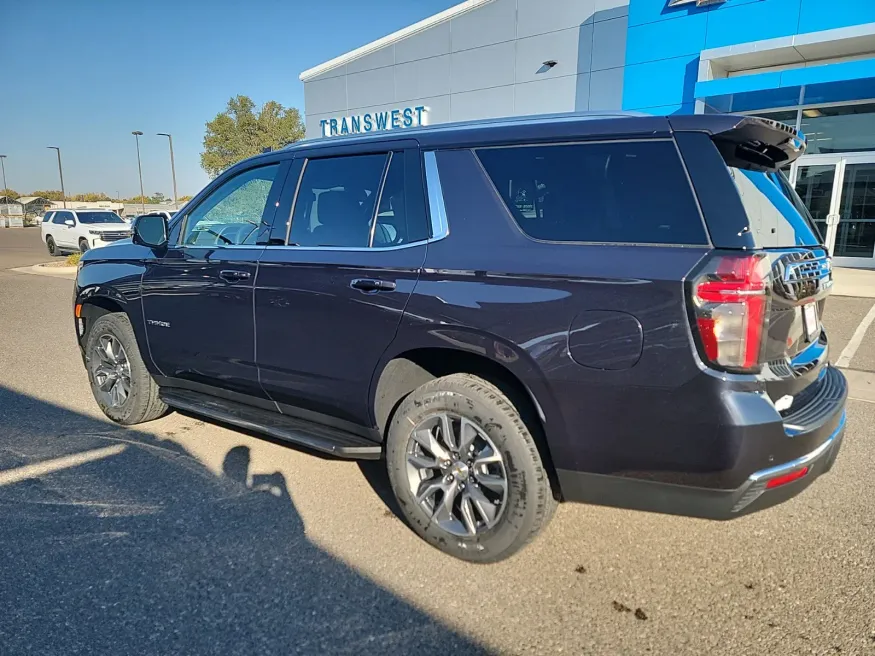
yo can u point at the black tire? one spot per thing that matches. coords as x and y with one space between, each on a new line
142 403
529 504
53 248
83 245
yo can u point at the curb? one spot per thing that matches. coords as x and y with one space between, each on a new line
52 272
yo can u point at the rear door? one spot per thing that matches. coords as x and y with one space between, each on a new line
329 302
197 297
60 231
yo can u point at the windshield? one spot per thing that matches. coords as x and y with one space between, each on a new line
776 215
99 217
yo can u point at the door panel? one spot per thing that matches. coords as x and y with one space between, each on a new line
199 325
319 338
198 296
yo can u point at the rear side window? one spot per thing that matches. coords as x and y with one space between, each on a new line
47 217
622 192
777 216
336 201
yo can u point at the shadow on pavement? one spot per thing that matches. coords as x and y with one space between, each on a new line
145 551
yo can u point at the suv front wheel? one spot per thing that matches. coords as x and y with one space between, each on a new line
466 470
120 382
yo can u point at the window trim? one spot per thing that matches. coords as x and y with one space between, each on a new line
586 142
219 184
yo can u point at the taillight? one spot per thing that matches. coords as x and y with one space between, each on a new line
731 304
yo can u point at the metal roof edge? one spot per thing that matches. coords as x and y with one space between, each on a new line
394 37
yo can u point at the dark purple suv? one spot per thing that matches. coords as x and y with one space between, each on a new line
620 310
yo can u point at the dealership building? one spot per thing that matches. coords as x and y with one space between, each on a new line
809 63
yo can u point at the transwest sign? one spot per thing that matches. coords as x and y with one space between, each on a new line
393 119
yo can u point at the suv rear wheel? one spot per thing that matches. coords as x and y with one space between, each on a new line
466 471
50 244
120 382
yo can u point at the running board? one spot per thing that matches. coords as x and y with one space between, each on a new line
319 438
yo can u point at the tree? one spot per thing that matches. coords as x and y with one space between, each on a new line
158 197
11 193
52 194
184 199
239 132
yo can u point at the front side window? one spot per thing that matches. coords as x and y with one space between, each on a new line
232 213
99 217
335 202
621 192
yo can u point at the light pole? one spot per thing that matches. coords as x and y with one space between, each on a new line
61 173
137 134
5 188
172 167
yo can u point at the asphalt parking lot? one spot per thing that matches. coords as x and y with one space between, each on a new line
184 537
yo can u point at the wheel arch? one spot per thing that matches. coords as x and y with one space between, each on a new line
405 371
99 300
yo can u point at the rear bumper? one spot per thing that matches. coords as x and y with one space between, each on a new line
752 495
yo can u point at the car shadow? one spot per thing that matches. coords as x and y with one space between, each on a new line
139 548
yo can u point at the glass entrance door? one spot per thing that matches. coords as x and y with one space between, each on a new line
840 194
815 184
855 233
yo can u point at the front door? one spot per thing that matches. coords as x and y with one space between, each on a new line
197 298
329 301
840 193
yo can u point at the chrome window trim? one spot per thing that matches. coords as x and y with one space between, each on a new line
352 249
437 210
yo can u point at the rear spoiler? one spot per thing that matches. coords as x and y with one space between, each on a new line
747 142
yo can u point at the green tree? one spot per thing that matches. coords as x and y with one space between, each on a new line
239 132
184 199
158 197
51 194
11 193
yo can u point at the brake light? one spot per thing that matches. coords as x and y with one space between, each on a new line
731 304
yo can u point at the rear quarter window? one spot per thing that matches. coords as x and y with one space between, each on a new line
620 192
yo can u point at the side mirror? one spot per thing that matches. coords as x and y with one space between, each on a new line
151 231
70 222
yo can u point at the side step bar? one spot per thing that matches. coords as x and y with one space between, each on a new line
314 436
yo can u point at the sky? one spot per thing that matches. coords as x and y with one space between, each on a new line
83 75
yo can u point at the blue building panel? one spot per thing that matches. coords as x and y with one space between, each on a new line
664 46
665 40
816 15
756 21
663 82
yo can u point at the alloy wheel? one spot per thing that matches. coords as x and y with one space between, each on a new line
456 474
112 371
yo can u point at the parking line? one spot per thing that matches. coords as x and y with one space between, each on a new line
48 466
857 339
